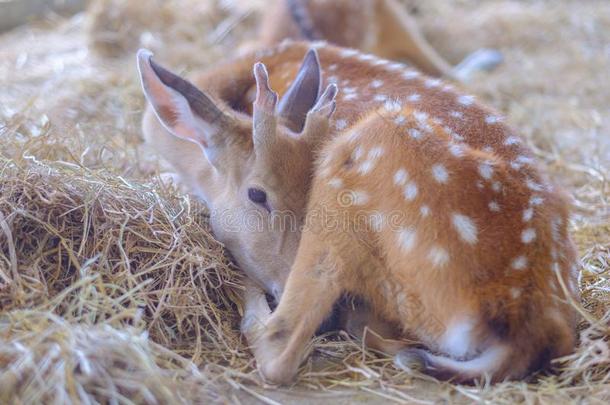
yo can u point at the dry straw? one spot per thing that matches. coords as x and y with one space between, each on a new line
112 288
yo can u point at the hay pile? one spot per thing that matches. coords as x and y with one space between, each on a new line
111 286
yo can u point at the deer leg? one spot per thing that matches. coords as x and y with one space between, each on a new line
256 313
402 38
311 290
360 321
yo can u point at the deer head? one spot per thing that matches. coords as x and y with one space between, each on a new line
257 168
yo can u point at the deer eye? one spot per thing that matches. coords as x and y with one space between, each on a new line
257 196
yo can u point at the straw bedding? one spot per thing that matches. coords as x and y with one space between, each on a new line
112 288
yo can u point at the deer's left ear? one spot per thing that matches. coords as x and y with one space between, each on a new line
302 94
183 109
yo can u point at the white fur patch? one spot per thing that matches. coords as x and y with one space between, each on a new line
424 210
465 100
515 292
528 214
376 84
410 74
494 206
519 263
438 256
341 124
414 98
400 177
406 239
360 197
410 191
486 170
414 133
440 174
457 341
465 227
528 235
335 183
456 150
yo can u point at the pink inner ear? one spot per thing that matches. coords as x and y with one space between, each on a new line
166 106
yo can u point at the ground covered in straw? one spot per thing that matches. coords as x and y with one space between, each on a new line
111 286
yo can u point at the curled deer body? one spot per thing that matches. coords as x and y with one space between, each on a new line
404 191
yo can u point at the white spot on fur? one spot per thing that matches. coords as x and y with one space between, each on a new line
440 174
456 150
438 256
366 57
332 67
492 119
335 183
341 124
424 210
486 170
511 140
431 83
515 292
350 96
519 263
496 186
528 235
465 100
456 341
358 152
360 197
494 207
420 116
536 200
465 227
395 66
380 97
410 74
366 167
400 120
376 84
457 114
556 228
392 105
376 152
414 133
532 185
413 98
400 177
346 53
528 214
410 191
406 239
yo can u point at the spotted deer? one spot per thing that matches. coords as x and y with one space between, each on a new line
381 27
407 194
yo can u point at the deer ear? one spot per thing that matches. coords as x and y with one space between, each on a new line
302 94
182 108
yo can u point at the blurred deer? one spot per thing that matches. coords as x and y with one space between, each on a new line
381 27
406 193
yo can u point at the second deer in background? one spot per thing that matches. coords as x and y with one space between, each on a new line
381 27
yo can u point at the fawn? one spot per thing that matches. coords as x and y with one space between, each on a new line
406 193
381 27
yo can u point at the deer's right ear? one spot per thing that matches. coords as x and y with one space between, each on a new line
182 108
